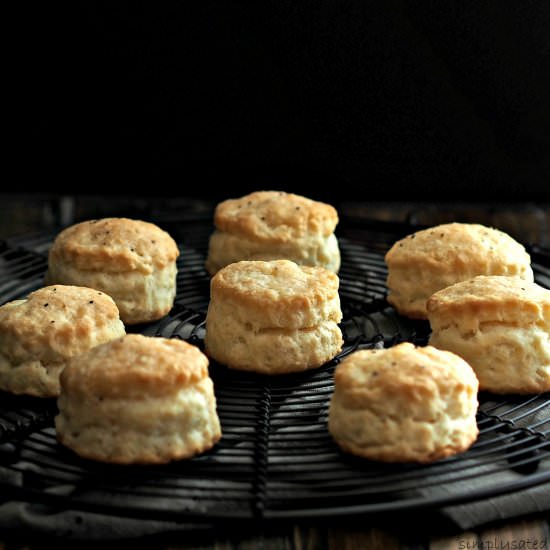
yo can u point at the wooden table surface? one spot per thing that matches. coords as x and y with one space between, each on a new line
529 223
359 534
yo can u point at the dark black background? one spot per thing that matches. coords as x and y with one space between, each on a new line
385 100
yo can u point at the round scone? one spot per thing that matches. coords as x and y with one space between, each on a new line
140 400
404 404
38 335
501 326
271 225
427 261
131 260
273 317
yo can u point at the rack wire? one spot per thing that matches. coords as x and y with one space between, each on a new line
276 459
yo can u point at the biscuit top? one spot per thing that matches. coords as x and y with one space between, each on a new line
56 322
115 245
496 299
275 217
279 292
367 378
461 246
135 366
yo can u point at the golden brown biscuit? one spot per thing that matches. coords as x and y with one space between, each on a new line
39 334
131 260
501 326
270 225
429 260
138 399
273 317
404 404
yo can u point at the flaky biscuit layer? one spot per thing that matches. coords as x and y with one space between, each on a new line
501 326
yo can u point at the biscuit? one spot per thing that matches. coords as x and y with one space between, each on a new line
138 399
404 404
273 317
429 260
501 326
270 225
131 260
38 335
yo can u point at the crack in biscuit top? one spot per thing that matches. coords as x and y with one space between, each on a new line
115 245
275 217
278 293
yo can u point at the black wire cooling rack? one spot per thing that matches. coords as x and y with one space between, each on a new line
276 458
